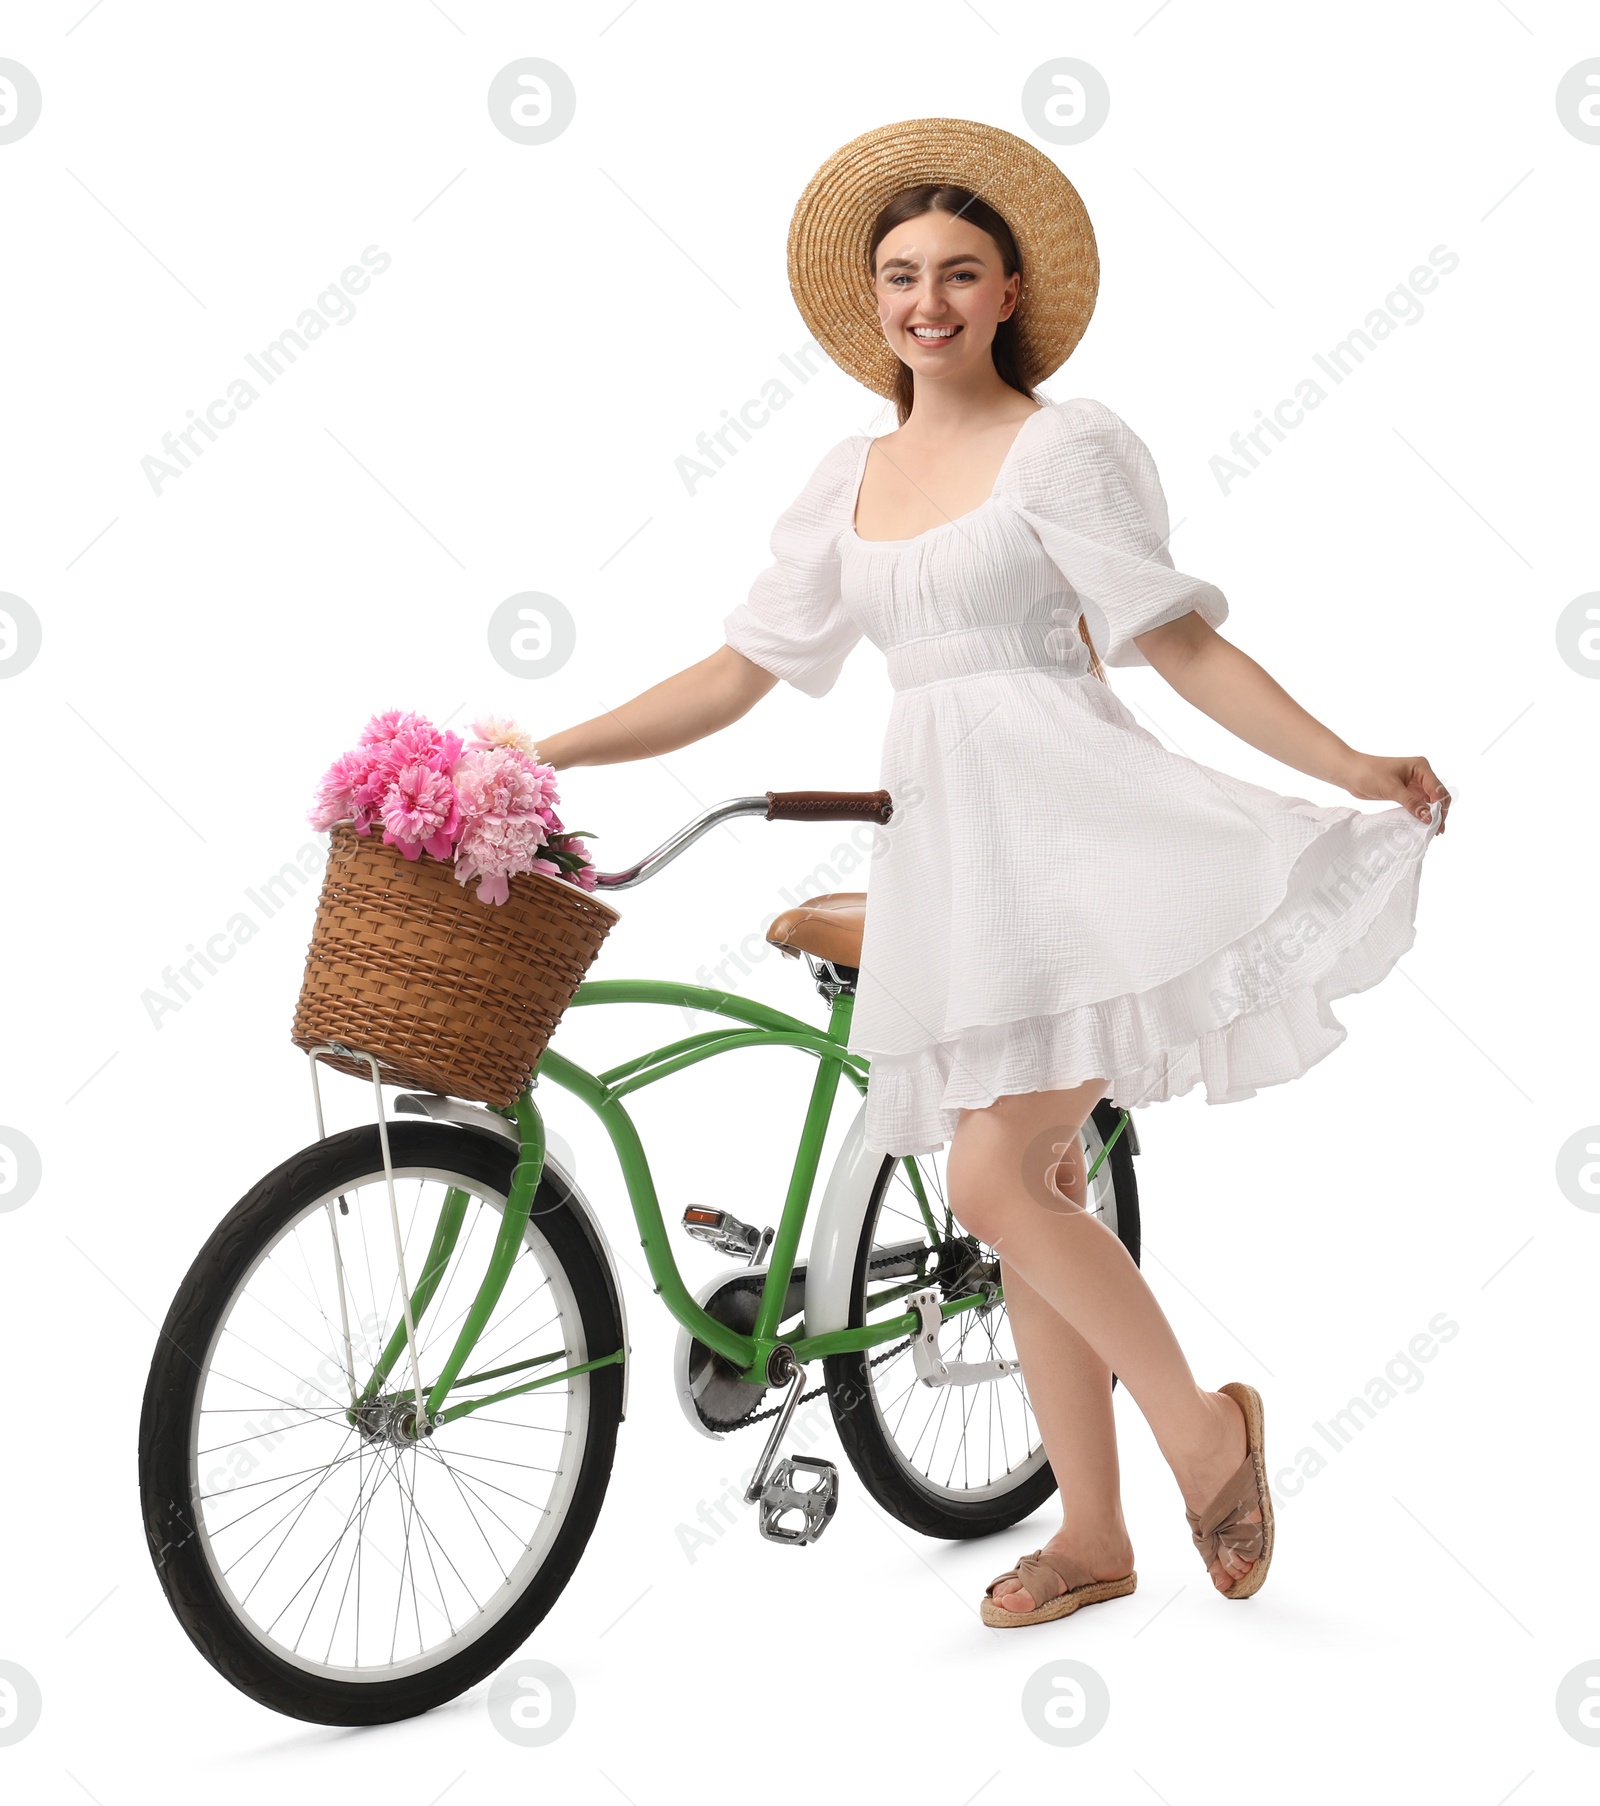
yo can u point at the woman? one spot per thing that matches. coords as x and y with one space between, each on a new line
1070 910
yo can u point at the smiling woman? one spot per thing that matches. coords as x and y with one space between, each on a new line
1074 911
980 270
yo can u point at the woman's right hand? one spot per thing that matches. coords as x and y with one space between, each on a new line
1410 781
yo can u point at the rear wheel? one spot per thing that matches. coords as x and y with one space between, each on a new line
951 1461
323 1559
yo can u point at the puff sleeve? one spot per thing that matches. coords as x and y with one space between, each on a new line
1091 492
794 622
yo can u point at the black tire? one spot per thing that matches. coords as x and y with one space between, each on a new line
166 1471
851 1380
1124 1181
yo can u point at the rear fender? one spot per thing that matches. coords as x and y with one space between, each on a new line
836 1236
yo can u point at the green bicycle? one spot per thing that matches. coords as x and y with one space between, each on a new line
381 1413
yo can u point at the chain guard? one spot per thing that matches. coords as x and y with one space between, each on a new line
722 1400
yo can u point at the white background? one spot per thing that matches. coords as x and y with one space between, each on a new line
503 413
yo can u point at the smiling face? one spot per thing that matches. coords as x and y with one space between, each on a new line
941 289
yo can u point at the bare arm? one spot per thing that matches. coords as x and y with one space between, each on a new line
1230 687
680 709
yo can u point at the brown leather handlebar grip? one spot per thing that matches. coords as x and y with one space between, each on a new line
829 805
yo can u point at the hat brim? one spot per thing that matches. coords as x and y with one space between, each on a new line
828 234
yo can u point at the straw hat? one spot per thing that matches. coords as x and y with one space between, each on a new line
828 239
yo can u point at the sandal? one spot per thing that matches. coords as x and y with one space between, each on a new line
1222 1524
1057 1583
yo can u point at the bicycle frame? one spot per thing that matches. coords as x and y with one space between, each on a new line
749 1353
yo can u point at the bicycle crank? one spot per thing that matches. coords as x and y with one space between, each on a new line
932 1368
773 1482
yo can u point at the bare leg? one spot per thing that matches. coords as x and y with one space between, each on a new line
1001 1173
1069 1387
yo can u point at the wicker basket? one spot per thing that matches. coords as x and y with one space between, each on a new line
447 994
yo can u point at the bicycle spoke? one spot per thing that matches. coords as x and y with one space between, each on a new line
533 1467
298 1510
272 1480
472 1483
456 1482
290 1327
314 1302
405 1500
427 1541
362 1505
314 1417
229 1330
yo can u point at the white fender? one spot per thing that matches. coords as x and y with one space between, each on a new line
836 1233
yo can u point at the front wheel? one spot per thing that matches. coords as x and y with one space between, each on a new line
323 1559
952 1461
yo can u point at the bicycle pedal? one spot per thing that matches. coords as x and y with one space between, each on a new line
932 1368
816 1504
724 1231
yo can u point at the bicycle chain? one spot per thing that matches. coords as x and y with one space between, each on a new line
876 1360
773 1410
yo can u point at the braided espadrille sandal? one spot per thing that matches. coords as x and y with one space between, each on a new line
1222 1524
1056 1583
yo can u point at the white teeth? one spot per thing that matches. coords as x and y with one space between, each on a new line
934 332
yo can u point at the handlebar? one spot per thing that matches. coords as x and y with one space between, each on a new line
775 805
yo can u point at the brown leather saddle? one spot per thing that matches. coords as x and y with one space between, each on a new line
829 927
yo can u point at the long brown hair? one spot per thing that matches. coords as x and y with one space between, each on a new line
950 197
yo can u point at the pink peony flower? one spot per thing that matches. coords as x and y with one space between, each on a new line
398 738
383 728
420 812
343 793
497 730
423 745
501 780
495 848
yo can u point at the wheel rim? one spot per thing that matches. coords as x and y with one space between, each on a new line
353 1556
961 1444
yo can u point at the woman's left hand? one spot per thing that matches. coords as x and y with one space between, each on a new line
1408 781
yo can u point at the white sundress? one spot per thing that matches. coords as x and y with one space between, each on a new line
1059 897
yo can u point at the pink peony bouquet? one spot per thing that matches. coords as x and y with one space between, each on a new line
485 803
